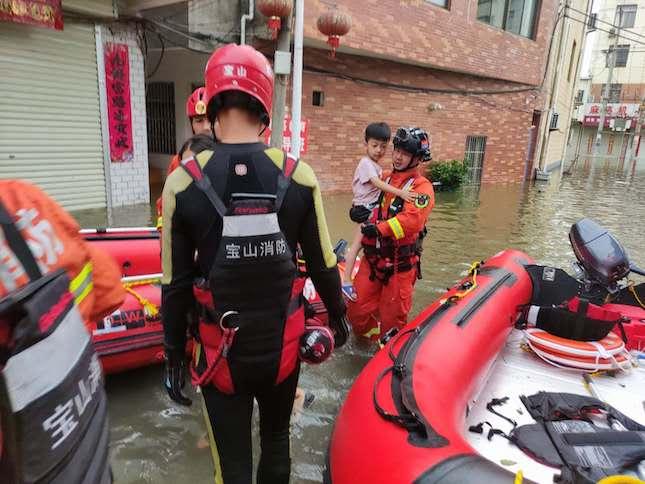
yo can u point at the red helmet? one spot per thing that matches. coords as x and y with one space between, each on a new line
196 103
240 68
316 343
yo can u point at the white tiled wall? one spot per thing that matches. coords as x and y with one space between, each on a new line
129 181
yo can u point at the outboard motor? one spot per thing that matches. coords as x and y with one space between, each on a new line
600 254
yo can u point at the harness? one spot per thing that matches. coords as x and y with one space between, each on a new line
385 255
253 270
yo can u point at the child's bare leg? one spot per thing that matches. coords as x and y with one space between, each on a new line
352 254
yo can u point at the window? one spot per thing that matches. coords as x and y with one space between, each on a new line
318 98
553 124
614 92
622 52
580 97
474 157
591 21
517 16
571 60
439 3
610 144
625 16
160 111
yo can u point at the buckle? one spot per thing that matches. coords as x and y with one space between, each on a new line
223 318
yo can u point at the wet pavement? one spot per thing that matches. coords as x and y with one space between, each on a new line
153 440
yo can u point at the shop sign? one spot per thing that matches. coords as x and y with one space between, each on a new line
286 135
44 13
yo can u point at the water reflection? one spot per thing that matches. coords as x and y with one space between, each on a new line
154 441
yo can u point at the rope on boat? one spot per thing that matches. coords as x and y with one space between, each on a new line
150 309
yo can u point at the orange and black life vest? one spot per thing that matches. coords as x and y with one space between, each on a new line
386 255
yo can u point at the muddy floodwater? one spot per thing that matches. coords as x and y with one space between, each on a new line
153 440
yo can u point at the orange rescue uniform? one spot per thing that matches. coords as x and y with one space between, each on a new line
54 239
389 268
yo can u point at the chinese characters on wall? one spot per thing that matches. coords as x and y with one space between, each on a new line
117 81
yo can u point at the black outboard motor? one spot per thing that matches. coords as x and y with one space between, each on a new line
600 254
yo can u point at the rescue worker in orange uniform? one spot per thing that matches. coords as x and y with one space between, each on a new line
53 410
392 242
199 124
53 237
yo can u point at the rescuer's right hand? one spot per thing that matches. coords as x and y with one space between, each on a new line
175 376
370 231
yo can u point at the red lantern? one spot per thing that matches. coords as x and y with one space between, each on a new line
275 9
334 24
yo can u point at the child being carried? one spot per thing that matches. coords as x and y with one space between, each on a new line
367 186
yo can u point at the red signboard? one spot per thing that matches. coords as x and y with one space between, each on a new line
286 135
117 82
46 13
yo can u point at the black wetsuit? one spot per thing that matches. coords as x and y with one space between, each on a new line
192 226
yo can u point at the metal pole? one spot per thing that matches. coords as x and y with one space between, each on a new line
280 89
296 100
605 94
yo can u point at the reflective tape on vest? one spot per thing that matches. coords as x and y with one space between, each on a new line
250 225
44 366
82 284
397 230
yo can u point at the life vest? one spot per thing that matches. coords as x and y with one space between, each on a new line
258 306
559 307
566 437
386 255
53 408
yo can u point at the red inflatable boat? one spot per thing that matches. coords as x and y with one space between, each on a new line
132 336
403 418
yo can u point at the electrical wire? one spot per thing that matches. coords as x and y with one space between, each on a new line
161 55
587 16
618 33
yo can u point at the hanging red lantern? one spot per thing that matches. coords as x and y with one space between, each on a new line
334 24
275 10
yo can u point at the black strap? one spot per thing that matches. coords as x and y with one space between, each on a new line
194 170
284 180
18 245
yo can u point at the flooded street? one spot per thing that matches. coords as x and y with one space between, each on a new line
154 440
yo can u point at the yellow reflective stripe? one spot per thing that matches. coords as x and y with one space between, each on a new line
397 230
159 222
82 284
372 332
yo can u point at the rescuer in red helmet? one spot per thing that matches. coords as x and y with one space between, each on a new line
234 217
199 124
392 245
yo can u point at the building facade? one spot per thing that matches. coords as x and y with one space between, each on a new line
471 72
615 29
55 122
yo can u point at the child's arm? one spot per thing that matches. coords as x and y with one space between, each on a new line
404 194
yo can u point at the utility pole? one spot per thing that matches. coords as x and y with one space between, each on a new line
296 102
610 74
281 83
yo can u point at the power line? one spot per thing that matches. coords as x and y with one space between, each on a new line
606 23
618 33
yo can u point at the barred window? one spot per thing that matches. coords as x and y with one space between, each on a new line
474 157
160 108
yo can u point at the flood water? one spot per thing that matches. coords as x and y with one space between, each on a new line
153 440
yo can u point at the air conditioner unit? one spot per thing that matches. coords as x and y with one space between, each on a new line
553 124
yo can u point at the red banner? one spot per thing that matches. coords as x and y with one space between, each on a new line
286 135
117 82
46 13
